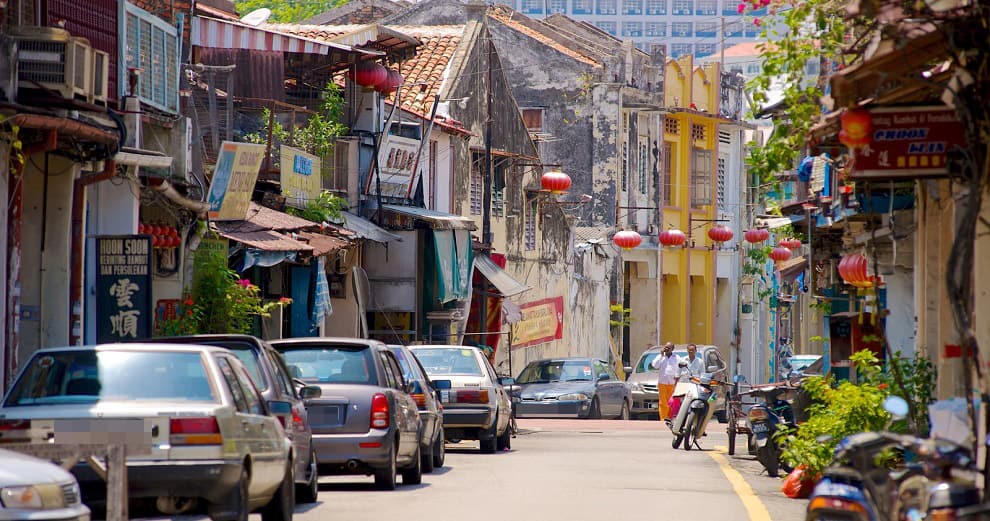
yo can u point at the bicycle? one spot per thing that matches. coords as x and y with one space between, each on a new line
736 417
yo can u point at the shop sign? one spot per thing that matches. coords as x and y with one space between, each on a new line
123 288
542 321
233 180
397 167
301 179
909 142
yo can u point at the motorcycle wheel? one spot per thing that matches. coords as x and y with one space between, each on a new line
732 437
676 442
769 458
688 430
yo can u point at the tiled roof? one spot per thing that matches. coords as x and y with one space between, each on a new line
265 218
316 32
545 35
747 49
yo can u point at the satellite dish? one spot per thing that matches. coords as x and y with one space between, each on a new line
257 17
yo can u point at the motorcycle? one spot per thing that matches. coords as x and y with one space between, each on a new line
698 397
765 419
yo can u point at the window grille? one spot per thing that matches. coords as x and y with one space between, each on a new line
667 160
701 177
643 166
557 6
530 232
608 7
680 49
697 132
671 126
632 6
498 203
152 46
681 29
720 184
476 184
707 7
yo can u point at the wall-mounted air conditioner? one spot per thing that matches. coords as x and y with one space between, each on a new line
51 59
100 77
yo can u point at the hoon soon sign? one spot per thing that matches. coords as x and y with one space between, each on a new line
909 142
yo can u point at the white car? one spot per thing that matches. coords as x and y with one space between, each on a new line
36 490
213 441
475 406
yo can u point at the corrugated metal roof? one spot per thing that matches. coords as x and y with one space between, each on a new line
439 220
502 281
366 229
323 244
266 240
227 34
264 217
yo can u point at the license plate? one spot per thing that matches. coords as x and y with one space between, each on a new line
444 395
760 428
651 405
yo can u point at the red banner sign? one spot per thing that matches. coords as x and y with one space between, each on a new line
909 142
542 322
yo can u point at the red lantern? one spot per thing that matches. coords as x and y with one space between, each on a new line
391 83
792 243
368 74
156 241
857 128
854 270
173 231
555 182
140 228
175 241
780 254
627 239
672 237
720 234
757 235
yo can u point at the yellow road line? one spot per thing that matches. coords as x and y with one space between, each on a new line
757 511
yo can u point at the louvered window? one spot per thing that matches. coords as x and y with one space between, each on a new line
667 161
530 231
698 132
152 47
701 177
671 126
476 185
720 183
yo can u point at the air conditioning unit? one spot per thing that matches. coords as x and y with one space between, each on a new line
49 58
100 76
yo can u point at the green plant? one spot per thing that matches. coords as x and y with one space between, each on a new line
837 412
825 306
326 207
914 379
816 338
620 316
318 136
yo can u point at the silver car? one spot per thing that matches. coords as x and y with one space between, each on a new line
36 490
642 379
213 441
571 387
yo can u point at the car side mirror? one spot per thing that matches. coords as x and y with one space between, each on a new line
506 380
441 384
410 387
279 408
603 376
310 392
628 370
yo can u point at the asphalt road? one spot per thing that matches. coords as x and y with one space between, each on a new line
572 470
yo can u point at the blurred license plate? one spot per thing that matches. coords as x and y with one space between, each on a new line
651 405
759 428
326 415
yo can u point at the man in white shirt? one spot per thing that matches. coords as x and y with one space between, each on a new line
667 362
696 366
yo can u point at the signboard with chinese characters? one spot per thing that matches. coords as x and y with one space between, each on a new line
301 177
542 322
908 142
397 165
233 180
123 288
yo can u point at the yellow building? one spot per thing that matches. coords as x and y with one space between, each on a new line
690 166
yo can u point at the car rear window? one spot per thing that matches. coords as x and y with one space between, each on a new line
90 376
330 364
444 360
248 355
643 366
409 373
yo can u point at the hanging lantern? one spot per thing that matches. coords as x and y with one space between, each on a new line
555 182
790 243
854 270
857 128
368 74
140 228
720 234
391 83
627 239
756 235
672 237
780 254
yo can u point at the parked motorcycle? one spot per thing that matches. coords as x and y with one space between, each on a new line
765 419
696 410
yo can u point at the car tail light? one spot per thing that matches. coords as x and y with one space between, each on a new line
756 414
379 412
832 503
297 420
472 396
194 431
419 398
15 425
942 514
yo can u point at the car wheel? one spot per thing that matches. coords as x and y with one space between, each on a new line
687 428
595 412
488 445
439 451
385 478
283 503
624 415
505 440
237 507
427 457
308 493
414 475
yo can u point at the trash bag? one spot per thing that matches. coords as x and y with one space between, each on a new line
798 484
675 405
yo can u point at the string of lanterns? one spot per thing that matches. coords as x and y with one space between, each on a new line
161 236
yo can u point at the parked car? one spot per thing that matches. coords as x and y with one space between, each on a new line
270 375
571 387
805 364
34 489
642 379
365 422
430 408
475 406
212 437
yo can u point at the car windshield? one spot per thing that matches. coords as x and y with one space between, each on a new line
91 376
445 360
643 366
329 364
547 371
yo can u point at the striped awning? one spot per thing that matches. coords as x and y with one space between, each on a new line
225 34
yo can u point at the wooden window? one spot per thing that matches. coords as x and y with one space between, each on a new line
667 160
530 231
671 126
533 119
698 132
477 186
433 174
701 177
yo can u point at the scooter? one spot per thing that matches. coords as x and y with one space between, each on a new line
765 420
697 408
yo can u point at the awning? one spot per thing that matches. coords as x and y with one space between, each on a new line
379 37
777 222
226 34
791 268
502 281
437 220
265 240
323 244
262 230
142 158
366 229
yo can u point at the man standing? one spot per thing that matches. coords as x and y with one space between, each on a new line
667 364
696 366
